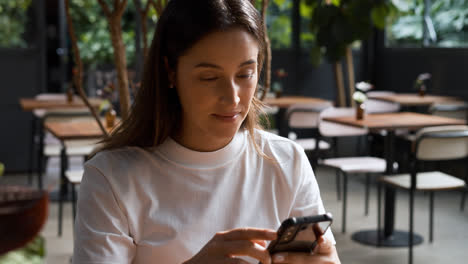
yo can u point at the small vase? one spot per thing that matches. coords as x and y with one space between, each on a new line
110 118
360 111
422 90
70 94
277 94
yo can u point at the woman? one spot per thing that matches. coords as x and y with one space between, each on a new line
188 177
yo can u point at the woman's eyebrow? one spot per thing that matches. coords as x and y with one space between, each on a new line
210 65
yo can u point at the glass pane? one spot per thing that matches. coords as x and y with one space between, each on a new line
279 23
405 25
450 19
14 23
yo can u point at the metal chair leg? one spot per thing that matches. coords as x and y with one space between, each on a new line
345 199
367 194
73 201
379 216
462 204
431 217
338 185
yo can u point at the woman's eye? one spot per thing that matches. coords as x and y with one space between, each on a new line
209 78
246 76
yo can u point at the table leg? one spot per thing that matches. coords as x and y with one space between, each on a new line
40 153
281 122
388 237
32 149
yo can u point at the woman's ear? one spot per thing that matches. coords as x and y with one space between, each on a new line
170 72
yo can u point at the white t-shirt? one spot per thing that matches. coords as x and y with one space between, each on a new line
164 204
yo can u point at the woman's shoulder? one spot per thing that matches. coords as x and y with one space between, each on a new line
279 148
120 159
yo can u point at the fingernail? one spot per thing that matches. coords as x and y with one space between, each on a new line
279 257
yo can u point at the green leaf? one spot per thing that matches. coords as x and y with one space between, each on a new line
279 2
379 14
315 56
336 2
2 168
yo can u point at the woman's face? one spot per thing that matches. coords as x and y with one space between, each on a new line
216 80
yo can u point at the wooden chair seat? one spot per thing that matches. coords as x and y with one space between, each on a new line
426 181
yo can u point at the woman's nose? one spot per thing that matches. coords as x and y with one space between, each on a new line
230 93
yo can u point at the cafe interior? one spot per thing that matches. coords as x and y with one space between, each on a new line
373 91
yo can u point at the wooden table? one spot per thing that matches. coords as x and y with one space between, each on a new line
287 101
71 130
58 103
75 129
284 102
409 100
30 104
390 122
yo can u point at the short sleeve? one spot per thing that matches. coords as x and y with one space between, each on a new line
101 228
307 199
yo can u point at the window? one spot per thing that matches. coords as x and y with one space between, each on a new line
436 23
14 23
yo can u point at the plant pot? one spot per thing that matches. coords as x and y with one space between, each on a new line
360 111
69 94
422 90
110 118
278 94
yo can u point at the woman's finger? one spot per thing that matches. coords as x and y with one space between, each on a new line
248 234
324 246
235 261
262 243
247 248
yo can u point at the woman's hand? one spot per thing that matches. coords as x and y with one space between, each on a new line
324 253
225 246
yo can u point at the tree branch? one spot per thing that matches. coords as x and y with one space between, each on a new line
267 84
105 8
158 5
121 7
78 75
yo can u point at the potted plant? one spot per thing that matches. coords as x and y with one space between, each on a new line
360 96
277 86
420 83
337 24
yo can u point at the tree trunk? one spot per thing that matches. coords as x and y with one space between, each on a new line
340 90
78 75
120 62
267 83
351 80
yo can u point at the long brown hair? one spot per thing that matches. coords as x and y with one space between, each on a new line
156 112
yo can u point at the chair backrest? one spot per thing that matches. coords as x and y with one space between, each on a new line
442 143
453 110
305 115
374 106
331 129
379 93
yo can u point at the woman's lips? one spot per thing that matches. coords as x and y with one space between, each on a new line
228 117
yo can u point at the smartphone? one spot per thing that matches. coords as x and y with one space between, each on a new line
300 234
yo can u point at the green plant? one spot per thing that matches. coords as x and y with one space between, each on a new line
448 16
2 169
93 35
13 21
338 23
32 253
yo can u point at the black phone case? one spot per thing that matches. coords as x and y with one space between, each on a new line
287 242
